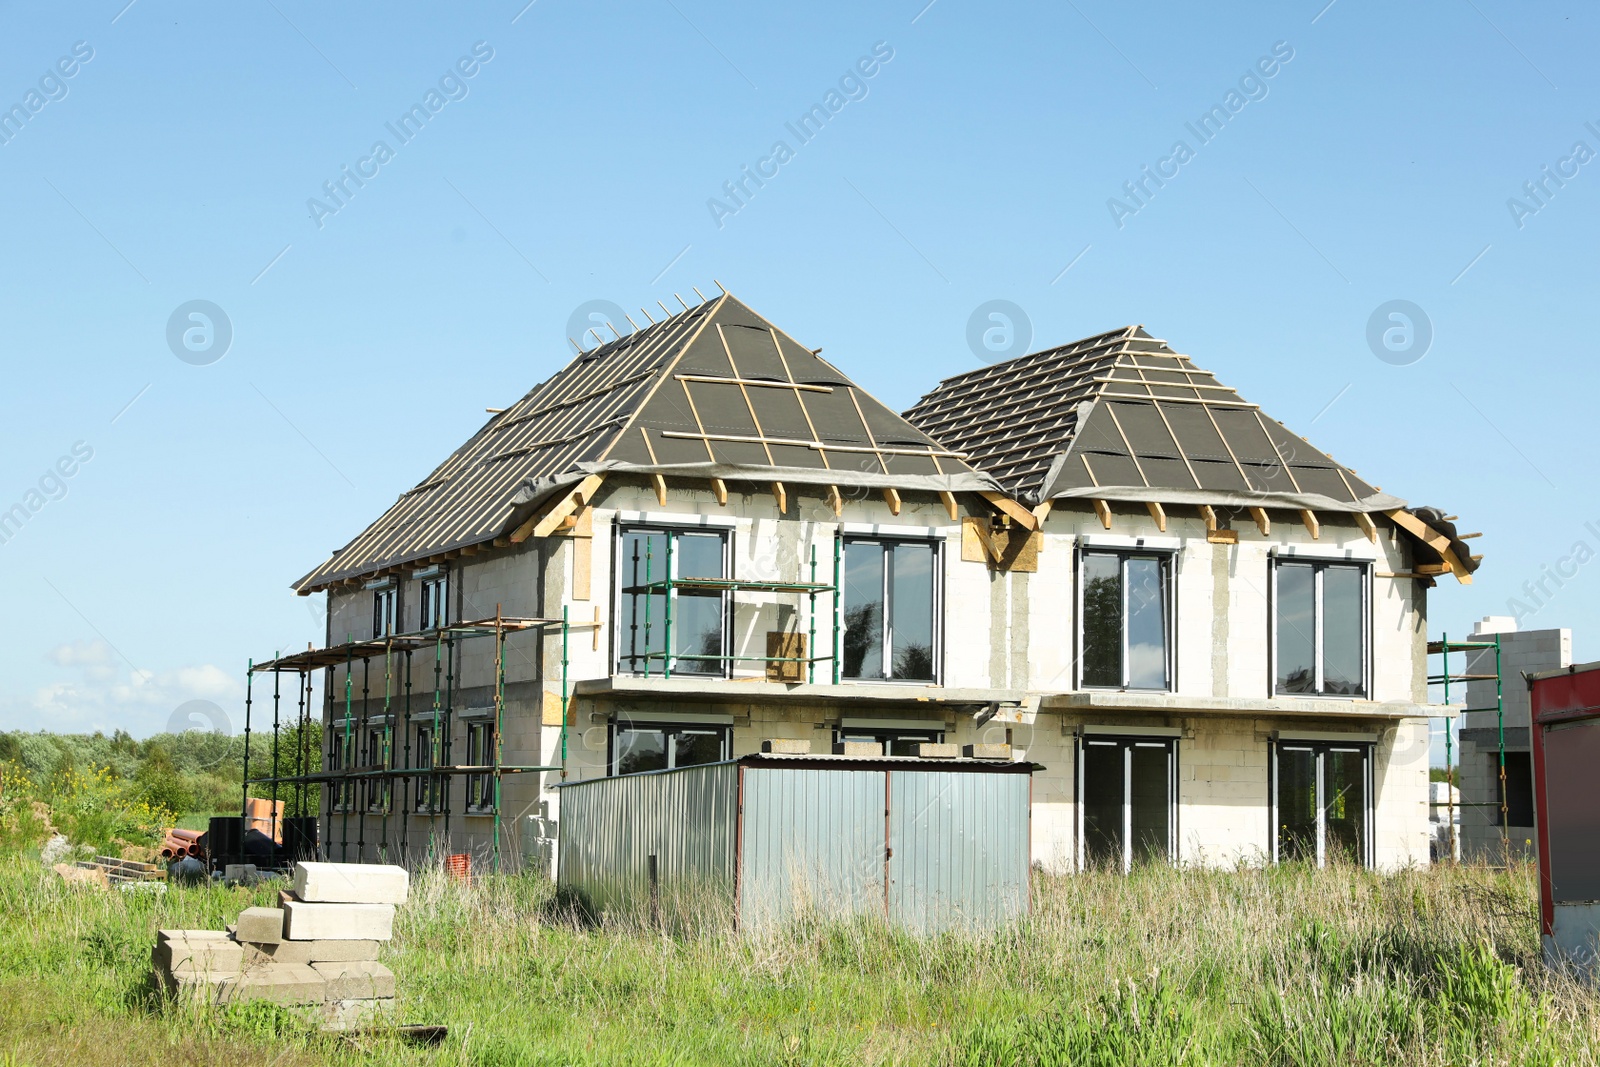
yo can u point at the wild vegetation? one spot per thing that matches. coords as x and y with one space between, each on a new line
1281 966
114 795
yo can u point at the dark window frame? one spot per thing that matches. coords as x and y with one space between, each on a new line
1320 566
1320 748
1167 558
433 601
886 736
385 603
480 787
426 788
936 578
669 746
1128 742
622 663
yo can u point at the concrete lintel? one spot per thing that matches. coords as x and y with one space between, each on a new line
722 691
1179 704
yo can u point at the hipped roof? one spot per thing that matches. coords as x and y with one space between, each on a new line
1121 416
714 391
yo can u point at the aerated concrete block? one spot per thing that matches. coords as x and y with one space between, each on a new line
787 746
314 952
281 983
350 883
857 749
356 980
207 954
264 926
314 921
986 751
937 750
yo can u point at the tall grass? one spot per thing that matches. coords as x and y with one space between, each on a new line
1279 966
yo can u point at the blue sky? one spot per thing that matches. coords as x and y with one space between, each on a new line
578 162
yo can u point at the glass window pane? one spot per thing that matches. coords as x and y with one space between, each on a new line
1296 607
1297 804
1151 795
697 631
863 610
694 747
1102 804
644 560
912 600
1345 793
641 750
1102 619
1147 624
1342 631
699 555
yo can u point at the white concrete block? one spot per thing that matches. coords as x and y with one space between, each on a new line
351 883
313 921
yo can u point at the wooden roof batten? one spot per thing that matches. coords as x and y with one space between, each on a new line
713 394
1122 417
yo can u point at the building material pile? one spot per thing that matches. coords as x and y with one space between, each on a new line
319 947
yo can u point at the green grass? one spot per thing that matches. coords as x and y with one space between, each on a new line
1283 966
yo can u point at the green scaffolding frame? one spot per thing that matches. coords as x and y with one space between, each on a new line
668 585
1444 648
439 770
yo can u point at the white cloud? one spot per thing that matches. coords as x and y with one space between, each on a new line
97 691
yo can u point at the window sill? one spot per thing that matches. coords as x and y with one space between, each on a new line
745 691
1179 704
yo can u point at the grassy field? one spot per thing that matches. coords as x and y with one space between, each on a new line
1284 966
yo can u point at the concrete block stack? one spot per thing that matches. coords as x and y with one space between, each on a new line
319 947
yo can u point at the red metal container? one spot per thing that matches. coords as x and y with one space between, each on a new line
1566 781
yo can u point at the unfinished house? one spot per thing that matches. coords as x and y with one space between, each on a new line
702 541
1223 645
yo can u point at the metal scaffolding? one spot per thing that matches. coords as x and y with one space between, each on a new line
666 586
1444 648
372 785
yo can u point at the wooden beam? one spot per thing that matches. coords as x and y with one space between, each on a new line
542 527
781 496
595 647
1017 512
836 500
661 489
949 500
1313 527
1368 527
1209 513
1042 512
720 487
892 497
1263 522
1103 509
1158 513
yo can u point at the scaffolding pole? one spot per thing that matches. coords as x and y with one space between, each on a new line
1444 648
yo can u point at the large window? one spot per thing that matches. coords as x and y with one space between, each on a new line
890 610
698 633
375 758
427 796
637 747
342 757
1126 613
1127 797
1322 802
383 612
1320 635
893 741
433 602
480 753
